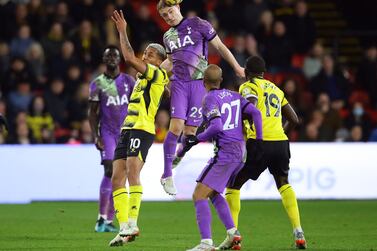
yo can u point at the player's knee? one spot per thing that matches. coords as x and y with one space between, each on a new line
189 130
108 168
280 180
176 126
134 165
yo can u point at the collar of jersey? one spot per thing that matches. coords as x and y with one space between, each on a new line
176 26
108 76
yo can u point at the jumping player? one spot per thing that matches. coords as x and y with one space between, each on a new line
108 102
186 44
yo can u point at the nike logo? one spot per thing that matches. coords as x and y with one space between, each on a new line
191 141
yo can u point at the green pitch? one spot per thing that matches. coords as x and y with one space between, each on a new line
328 225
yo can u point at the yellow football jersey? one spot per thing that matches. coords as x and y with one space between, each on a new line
145 99
270 101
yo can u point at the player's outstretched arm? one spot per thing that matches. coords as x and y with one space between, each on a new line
228 56
127 51
291 116
250 109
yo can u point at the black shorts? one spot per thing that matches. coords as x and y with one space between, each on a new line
275 157
133 143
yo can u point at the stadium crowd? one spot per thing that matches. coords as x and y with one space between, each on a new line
51 50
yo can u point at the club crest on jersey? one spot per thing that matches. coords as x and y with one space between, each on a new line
188 30
180 43
116 100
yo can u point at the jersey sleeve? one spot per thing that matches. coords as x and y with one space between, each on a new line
244 103
248 90
167 47
94 91
211 109
284 102
206 29
150 72
130 83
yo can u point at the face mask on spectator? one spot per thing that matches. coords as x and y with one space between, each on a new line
358 111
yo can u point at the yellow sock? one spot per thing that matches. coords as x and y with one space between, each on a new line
232 196
136 193
289 200
120 197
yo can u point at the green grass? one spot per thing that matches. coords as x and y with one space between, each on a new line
328 225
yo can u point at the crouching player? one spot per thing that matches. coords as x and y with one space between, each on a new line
270 100
222 111
137 133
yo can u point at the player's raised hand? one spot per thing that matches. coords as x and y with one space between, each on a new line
120 22
240 72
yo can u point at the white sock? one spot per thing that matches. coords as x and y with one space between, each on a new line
123 225
207 241
297 229
104 216
231 230
132 222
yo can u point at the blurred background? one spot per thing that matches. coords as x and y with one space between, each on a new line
321 53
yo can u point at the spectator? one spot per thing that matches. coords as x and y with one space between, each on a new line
58 66
330 81
342 135
23 135
252 13
373 136
358 117
36 59
37 18
20 44
19 99
312 62
62 15
78 106
56 102
367 74
4 61
39 120
331 120
87 46
20 17
52 43
251 45
264 29
356 134
301 28
311 133
107 28
240 54
278 51
73 78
